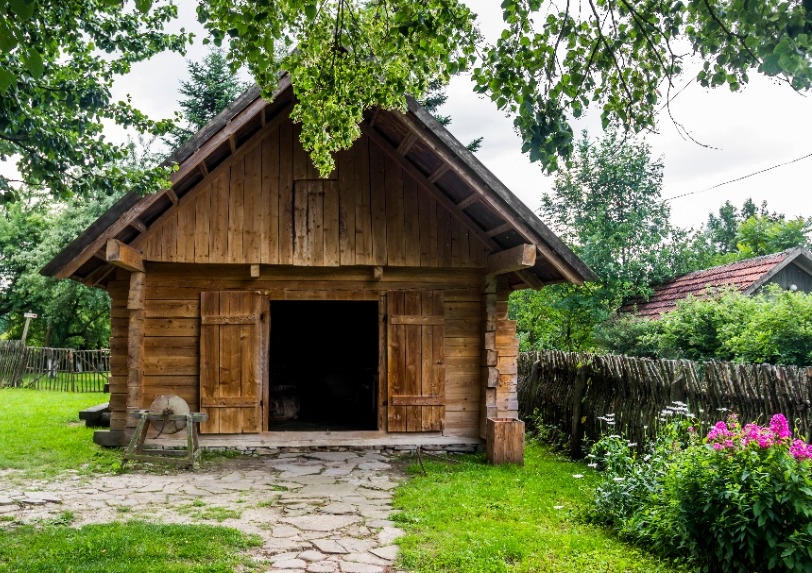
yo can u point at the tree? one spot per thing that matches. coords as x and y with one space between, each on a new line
607 206
752 231
434 99
58 62
211 87
31 233
551 62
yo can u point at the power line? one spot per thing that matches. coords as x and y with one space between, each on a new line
796 160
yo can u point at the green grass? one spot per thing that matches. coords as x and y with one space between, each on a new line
125 547
42 435
199 510
477 518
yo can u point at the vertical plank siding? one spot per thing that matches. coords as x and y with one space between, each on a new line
267 205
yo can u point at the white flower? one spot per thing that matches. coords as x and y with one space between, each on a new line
618 479
615 436
577 476
592 465
558 507
647 457
632 444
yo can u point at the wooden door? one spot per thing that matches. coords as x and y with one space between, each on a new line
415 369
231 339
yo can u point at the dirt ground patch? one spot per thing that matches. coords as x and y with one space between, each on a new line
317 512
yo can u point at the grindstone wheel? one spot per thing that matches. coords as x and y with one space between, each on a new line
168 405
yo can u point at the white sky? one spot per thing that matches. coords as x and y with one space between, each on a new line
762 126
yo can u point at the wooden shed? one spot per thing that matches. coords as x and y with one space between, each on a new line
367 308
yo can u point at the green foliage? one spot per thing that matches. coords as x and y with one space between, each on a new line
211 87
125 547
31 234
348 56
774 326
628 335
559 316
738 500
607 205
42 434
550 63
761 235
752 231
58 62
477 518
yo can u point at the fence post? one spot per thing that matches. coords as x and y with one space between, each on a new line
578 391
72 371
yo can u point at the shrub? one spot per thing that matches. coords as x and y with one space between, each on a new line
739 499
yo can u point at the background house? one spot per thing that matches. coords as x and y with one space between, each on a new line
790 269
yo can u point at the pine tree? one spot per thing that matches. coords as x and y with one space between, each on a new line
211 87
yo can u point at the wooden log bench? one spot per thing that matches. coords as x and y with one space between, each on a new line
96 416
182 457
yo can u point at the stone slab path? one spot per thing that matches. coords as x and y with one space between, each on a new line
317 512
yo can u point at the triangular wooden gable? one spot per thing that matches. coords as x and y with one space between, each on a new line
267 205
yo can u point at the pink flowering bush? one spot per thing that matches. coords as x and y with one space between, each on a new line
739 499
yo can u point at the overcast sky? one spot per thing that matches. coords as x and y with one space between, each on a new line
764 125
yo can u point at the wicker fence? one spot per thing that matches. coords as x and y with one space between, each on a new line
62 369
576 392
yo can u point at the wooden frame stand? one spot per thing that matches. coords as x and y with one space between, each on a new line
183 457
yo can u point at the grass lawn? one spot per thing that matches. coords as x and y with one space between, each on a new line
125 547
477 518
42 435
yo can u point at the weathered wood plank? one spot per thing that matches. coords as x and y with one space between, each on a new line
363 206
235 252
330 217
253 206
346 205
203 231
377 203
286 204
269 239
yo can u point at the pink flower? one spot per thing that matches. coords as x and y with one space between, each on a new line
779 425
800 450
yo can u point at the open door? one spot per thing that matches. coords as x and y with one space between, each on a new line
415 368
231 361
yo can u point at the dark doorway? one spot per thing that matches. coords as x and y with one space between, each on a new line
323 365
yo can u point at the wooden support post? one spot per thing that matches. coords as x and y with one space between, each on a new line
124 256
135 344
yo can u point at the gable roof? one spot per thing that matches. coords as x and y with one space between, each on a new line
746 276
424 149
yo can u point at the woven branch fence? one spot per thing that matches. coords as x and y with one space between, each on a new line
63 369
573 393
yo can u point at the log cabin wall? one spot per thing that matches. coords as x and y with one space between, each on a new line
172 326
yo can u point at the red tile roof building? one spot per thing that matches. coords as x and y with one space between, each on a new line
789 269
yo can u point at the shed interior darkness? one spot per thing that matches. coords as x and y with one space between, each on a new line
323 365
